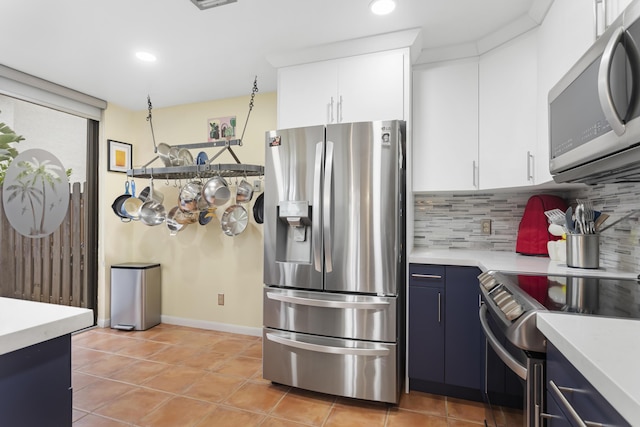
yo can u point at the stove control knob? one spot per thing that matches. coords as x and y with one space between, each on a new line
507 305
515 312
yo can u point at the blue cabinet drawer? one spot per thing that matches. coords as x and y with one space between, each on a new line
426 275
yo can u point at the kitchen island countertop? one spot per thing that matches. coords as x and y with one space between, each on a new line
507 262
25 323
605 351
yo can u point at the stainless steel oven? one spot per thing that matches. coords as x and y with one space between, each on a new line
516 350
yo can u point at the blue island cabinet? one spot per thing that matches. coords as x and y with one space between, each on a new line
35 385
445 338
572 400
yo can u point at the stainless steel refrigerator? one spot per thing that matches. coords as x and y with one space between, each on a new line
334 259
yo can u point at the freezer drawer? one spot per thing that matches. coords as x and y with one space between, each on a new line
357 369
337 315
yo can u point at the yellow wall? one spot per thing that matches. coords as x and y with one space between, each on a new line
200 261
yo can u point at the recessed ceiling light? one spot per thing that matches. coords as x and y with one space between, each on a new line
382 7
145 56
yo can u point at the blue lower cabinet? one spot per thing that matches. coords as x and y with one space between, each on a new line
570 395
446 345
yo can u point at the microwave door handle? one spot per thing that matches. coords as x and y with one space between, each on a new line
604 83
316 221
511 362
326 206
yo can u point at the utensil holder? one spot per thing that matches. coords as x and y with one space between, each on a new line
583 250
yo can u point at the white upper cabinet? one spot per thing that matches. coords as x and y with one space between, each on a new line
445 126
558 50
508 96
360 88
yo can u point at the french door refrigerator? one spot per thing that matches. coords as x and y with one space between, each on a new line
334 259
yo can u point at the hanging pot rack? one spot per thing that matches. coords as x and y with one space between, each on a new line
207 170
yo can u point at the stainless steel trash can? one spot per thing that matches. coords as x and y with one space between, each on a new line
135 296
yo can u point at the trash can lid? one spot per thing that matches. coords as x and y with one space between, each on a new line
135 265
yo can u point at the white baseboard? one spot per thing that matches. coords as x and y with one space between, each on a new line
104 323
213 326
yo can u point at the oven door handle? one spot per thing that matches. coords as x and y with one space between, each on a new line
511 362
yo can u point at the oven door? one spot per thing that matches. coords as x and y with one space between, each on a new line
514 378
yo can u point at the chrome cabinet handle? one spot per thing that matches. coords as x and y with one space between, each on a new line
328 349
339 115
511 362
361 305
331 111
317 212
474 171
425 276
558 391
326 206
529 166
604 83
439 307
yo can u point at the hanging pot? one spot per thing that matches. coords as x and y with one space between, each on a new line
131 206
173 225
258 209
119 201
244 192
152 213
206 216
234 220
189 196
216 191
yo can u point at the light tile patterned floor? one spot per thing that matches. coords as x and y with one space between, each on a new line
176 376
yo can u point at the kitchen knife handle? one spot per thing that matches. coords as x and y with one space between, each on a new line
326 206
316 231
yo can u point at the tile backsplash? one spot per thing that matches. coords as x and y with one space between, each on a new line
452 220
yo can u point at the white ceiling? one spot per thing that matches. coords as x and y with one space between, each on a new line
89 45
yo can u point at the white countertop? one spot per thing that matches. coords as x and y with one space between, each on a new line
25 323
605 350
507 262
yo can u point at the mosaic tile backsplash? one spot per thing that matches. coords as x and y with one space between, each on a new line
452 220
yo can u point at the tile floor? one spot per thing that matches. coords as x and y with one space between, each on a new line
176 376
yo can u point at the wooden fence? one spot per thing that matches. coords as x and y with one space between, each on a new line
48 269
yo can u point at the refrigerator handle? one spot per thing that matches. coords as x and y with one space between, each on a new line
326 206
316 230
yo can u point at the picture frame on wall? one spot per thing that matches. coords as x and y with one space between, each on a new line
120 156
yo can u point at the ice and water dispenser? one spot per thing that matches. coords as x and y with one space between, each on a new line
293 237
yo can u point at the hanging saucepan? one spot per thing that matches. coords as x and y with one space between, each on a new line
152 213
258 209
163 153
244 192
186 218
131 206
147 193
234 220
189 196
173 225
117 204
216 191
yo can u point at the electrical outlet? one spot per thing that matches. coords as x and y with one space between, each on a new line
485 226
257 185
220 299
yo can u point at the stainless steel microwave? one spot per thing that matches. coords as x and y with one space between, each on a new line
594 110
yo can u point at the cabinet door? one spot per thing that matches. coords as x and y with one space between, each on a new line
307 94
371 87
445 126
508 95
426 333
558 50
463 335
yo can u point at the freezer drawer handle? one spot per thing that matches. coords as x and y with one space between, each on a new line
426 276
329 349
328 304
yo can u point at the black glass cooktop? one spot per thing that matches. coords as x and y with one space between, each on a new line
583 295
